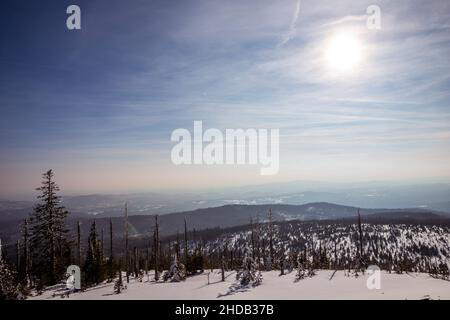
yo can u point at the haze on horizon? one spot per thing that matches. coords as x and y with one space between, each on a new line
98 105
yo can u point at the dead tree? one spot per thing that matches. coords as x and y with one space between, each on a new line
102 253
111 253
177 247
270 239
360 255
156 246
127 259
252 238
186 254
222 266
26 252
18 256
78 243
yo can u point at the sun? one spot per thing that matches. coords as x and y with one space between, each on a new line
343 53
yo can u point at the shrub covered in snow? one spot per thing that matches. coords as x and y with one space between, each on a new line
249 273
305 267
176 273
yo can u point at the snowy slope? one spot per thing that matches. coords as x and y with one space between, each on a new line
393 286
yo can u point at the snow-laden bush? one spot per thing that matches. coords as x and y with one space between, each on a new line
249 273
305 267
176 273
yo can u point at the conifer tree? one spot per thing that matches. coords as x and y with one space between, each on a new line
48 241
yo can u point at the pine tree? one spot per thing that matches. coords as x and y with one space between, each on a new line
48 241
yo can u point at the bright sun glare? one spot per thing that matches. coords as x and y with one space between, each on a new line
343 54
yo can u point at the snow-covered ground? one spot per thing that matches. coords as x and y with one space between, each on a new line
393 286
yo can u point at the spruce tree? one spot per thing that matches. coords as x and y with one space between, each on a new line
49 244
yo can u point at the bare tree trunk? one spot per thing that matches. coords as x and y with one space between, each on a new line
127 260
136 262
186 254
102 254
146 261
360 241
111 254
157 248
177 247
26 250
78 244
252 238
18 256
222 266
270 238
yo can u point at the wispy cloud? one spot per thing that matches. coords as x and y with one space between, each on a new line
292 32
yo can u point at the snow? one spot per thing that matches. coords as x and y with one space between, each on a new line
273 287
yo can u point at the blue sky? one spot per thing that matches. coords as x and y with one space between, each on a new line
98 105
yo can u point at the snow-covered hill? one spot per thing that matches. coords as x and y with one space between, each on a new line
400 247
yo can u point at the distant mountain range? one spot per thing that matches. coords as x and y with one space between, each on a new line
237 215
423 195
